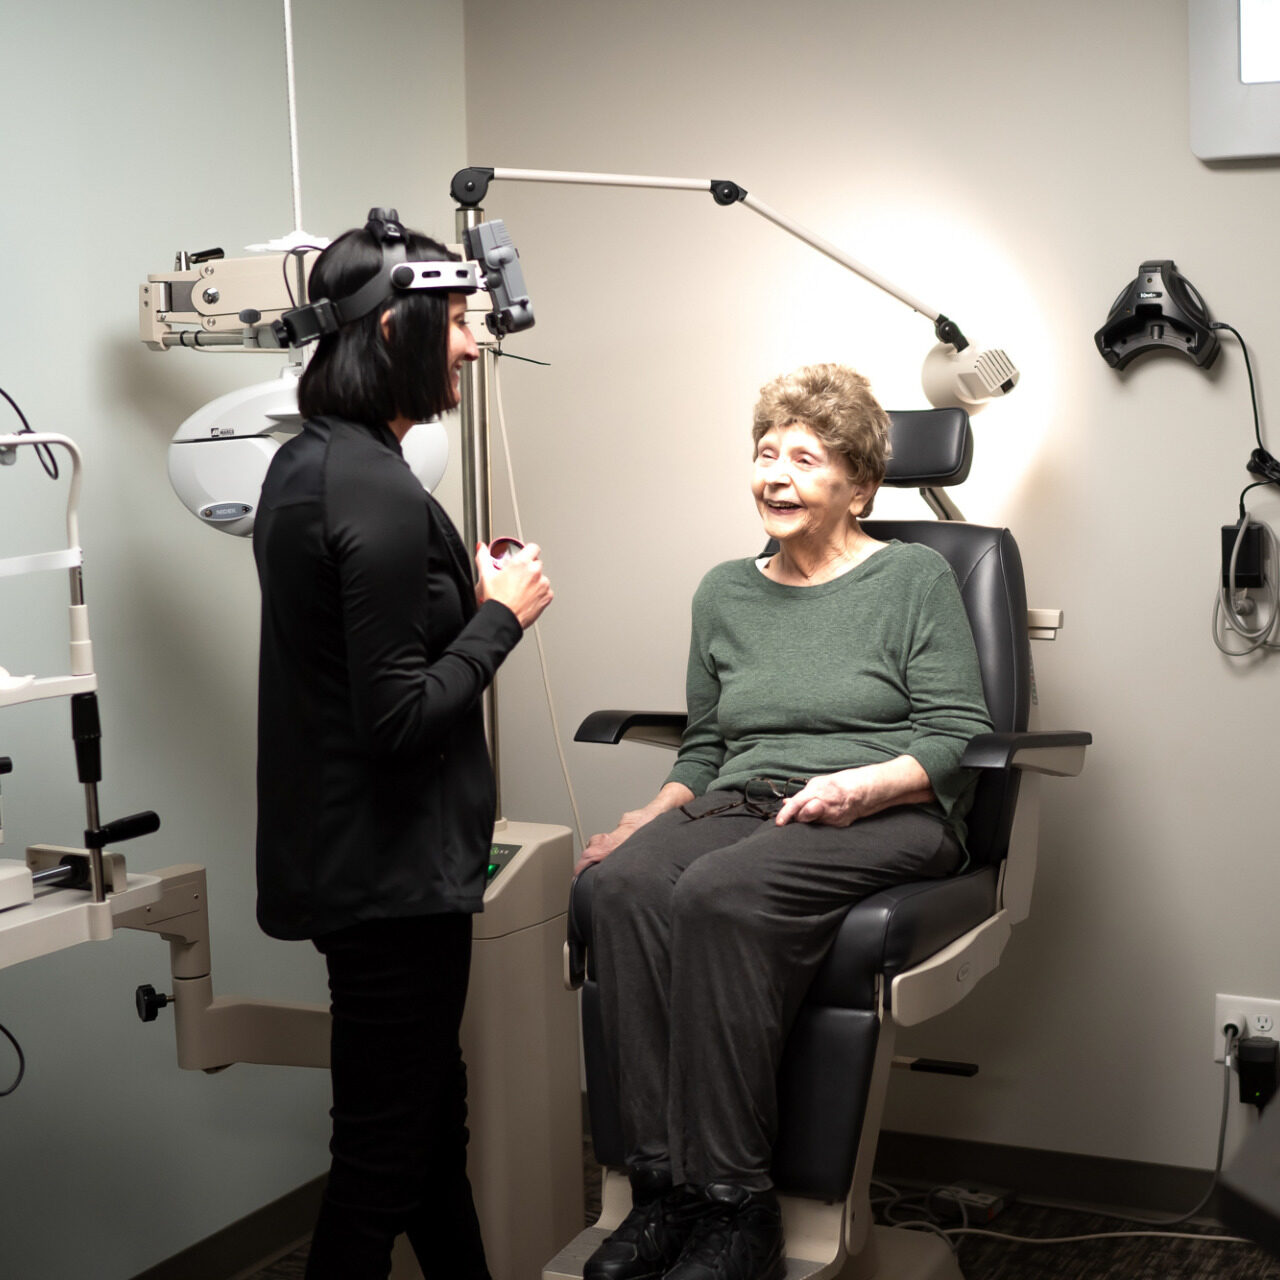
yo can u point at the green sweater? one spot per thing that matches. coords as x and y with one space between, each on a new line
790 682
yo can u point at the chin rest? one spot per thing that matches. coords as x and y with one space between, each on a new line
904 954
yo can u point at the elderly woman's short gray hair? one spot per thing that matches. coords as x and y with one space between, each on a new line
836 404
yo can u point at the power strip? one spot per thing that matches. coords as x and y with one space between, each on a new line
980 1203
16 889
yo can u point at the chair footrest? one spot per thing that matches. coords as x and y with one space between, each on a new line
568 1263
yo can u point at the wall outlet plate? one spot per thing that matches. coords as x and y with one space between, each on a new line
1253 1015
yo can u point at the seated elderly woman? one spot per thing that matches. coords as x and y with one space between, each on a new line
832 688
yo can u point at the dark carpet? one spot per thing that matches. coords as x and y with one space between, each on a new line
981 1258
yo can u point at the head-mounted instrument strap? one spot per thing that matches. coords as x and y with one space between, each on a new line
442 276
328 315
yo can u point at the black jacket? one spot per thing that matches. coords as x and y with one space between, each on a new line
375 791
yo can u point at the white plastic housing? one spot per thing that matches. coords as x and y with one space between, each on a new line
966 379
426 449
220 480
16 889
219 456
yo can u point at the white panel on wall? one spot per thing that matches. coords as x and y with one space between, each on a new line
1235 86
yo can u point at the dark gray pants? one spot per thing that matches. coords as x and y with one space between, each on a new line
707 934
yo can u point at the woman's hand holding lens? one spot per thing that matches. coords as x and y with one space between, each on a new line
517 581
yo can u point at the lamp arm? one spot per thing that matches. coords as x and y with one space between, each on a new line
470 186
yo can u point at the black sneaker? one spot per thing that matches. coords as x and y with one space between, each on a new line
738 1238
650 1238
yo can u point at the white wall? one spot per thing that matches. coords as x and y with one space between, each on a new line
1013 163
133 129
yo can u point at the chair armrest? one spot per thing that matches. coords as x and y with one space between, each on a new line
945 978
1057 752
578 933
656 728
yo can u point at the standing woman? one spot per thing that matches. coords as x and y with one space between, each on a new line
375 790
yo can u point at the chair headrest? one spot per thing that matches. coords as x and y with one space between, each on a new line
932 448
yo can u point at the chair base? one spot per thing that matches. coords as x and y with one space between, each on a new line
895 1254
568 1263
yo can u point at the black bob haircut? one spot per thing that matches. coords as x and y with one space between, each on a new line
359 374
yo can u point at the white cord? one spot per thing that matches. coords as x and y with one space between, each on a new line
1226 603
1099 1235
537 629
921 1224
293 115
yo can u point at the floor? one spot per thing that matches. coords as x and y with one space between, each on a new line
1131 1258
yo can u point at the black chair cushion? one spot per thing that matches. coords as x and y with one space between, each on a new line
897 928
932 448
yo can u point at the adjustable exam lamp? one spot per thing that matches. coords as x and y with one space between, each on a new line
955 374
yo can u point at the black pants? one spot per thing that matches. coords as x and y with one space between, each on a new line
399 1102
707 934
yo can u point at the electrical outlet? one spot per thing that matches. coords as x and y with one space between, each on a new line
1253 1016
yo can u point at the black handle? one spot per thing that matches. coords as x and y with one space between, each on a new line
149 1002
944 1067
129 828
86 730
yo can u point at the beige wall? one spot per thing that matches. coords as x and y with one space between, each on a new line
133 129
1013 164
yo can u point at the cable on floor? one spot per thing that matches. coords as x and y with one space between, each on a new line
928 1221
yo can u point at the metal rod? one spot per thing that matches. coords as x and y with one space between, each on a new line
198 338
53 875
602 179
97 880
293 115
780 220
939 502
837 254
477 490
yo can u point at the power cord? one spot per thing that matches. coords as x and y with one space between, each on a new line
22 1061
929 1219
537 628
43 452
1232 606
298 251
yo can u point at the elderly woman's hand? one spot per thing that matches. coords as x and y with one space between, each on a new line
600 846
603 843
840 799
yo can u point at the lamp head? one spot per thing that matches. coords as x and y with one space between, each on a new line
966 379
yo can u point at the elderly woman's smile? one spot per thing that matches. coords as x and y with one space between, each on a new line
805 492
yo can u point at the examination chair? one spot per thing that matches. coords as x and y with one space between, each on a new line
902 955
